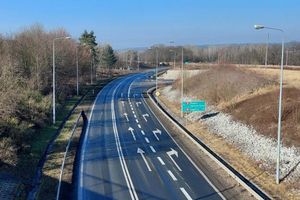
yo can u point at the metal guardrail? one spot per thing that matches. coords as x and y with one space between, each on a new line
248 185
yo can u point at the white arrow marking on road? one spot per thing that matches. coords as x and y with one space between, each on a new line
173 152
126 116
155 133
137 103
132 133
141 152
145 115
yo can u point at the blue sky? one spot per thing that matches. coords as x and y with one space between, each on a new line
141 23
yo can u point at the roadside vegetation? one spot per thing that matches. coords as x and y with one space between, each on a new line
26 91
241 120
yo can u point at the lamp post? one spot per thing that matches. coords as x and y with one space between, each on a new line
77 73
172 42
181 81
53 80
267 48
138 59
92 63
280 100
156 68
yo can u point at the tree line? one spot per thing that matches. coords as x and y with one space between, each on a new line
252 54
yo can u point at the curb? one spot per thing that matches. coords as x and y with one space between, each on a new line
251 187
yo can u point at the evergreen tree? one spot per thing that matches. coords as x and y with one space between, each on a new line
88 39
108 57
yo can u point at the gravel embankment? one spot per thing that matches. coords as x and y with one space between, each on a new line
246 139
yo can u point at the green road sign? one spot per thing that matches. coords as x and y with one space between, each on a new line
193 106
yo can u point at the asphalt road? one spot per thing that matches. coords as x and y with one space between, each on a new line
128 154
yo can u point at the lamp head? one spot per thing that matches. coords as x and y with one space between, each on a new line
257 27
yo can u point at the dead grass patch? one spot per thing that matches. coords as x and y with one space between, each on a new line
222 84
291 78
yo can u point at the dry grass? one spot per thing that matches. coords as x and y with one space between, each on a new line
222 84
239 161
291 78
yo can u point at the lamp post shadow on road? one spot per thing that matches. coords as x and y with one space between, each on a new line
258 27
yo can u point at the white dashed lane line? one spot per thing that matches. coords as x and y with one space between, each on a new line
143 133
161 161
139 126
172 175
152 149
187 196
147 140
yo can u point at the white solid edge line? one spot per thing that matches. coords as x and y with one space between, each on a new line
201 172
161 161
172 175
187 196
85 138
128 180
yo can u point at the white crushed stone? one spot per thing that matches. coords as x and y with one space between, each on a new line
246 139
258 147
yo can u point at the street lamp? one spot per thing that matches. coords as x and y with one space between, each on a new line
53 81
77 73
181 80
156 55
280 100
156 68
172 42
138 59
267 48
